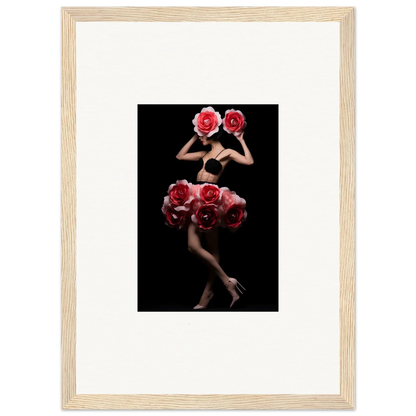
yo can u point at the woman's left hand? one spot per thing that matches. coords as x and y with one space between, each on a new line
240 137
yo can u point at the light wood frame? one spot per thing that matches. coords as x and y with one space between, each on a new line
343 15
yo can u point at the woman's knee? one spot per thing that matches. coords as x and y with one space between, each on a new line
193 248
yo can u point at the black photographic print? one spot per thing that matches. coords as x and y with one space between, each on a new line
208 207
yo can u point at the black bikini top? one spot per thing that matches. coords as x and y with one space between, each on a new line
212 165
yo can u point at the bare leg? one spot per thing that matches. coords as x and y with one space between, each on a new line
212 247
194 246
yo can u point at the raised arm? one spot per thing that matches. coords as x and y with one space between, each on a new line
183 153
247 159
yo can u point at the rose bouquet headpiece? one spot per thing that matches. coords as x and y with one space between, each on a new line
207 122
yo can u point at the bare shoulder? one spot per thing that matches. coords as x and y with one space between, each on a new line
231 153
238 157
227 152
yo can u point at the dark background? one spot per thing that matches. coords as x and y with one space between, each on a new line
170 278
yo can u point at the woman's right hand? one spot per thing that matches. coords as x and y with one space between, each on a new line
183 152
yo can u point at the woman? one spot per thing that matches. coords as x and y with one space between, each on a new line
216 202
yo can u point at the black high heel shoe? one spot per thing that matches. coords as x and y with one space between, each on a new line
236 285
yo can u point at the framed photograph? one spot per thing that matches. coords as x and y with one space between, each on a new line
208 226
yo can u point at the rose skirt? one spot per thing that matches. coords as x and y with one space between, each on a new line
205 205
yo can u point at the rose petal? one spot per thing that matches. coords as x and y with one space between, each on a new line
213 131
199 132
228 131
218 118
187 204
166 204
195 119
239 112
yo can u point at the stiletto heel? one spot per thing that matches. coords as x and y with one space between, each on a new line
236 285
239 286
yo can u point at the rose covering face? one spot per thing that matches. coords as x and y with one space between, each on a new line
207 122
234 122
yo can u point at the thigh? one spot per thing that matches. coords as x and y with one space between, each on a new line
194 236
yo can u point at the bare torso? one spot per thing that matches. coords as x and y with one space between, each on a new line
223 158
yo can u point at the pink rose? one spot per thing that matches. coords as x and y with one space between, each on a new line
232 212
234 122
180 193
207 122
209 194
206 217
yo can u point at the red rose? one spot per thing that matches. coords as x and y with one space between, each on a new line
179 193
207 122
176 218
209 194
206 217
232 211
234 122
234 217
